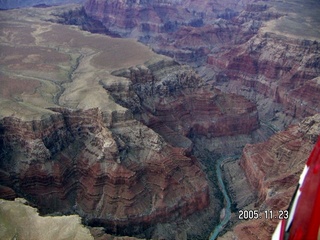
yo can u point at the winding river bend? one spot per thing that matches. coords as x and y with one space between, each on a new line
214 234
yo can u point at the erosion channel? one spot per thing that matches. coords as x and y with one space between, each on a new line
226 211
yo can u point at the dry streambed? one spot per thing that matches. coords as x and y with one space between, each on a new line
45 65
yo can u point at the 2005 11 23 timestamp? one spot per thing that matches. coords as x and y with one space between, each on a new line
267 214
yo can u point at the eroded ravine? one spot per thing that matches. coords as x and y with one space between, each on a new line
227 202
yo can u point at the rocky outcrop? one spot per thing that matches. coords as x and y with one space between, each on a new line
175 103
114 146
68 147
235 47
252 50
273 169
117 176
260 160
284 70
184 30
142 18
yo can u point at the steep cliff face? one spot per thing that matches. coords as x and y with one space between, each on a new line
273 170
107 132
68 147
277 68
274 166
259 50
175 103
147 18
115 146
122 175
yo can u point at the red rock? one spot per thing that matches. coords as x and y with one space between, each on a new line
72 160
177 105
7 193
273 169
279 68
254 63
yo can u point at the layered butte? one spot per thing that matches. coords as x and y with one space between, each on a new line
103 127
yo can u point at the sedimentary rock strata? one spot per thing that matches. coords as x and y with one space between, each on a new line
278 68
175 103
5 4
260 50
74 149
143 18
107 129
126 174
273 169
104 130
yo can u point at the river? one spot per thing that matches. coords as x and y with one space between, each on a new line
214 234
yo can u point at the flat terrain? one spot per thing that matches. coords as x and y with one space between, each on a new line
15 214
45 65
301 18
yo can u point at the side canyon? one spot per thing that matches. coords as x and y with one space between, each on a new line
126 134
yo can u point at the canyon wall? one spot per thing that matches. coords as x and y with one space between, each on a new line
105 129
67 147
109 129
145 18
175 103
260 50
8 4
273 169
278 68
118 175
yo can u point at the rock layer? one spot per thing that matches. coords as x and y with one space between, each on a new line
176 104
147 18
115 145
278 68
6 4
259 50
68 147
120 175
274 167
107 132
273 170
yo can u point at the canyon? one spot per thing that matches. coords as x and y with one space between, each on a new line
10 4
127 136
106 134
262 50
